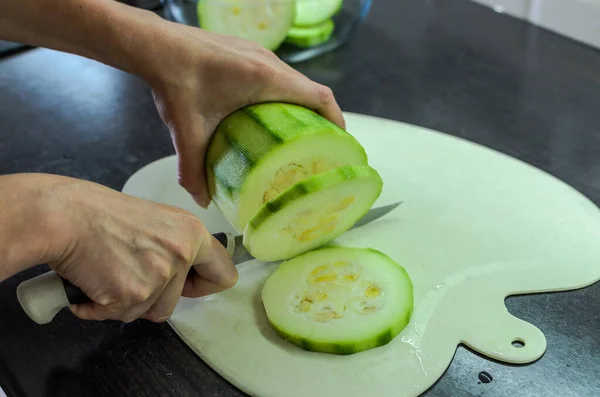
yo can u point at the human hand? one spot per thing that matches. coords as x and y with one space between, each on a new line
131 256
201 77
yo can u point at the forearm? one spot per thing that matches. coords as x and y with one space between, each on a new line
104 30
31 230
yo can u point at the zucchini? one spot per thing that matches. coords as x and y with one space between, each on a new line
312 35
313 12
339 300
259 151
312 212
265 22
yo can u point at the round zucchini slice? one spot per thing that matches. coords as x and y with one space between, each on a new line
312 35
313 12
261 150
339 300
265 22
312 212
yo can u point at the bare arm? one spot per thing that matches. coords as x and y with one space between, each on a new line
28 232
104 30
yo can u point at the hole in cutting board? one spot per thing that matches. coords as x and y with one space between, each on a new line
518 343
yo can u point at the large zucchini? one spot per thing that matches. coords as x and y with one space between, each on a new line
261 150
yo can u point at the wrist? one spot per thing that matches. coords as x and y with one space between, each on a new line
130 40
33 224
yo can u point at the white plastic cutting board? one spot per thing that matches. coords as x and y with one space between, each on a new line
475 227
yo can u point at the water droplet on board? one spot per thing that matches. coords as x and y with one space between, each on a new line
438 286
485 377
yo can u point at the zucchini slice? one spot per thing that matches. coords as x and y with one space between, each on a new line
339 300
313 12
311 213
312 35
265 22
259 151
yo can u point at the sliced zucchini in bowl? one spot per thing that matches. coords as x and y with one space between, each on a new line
313 12
311 35
265 22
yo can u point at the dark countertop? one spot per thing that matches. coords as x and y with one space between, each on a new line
449 65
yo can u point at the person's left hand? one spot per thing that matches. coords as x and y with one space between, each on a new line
201 77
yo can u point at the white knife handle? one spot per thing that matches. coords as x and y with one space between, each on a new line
42 297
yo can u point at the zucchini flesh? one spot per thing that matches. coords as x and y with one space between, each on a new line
312 35
259 151
313 12
311 213
265 22
339 300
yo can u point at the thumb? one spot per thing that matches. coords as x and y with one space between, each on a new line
214 270
190 140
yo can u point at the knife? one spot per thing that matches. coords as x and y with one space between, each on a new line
43 296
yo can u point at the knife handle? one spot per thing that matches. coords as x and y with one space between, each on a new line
43 296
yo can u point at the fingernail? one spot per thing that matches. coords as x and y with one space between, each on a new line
201 200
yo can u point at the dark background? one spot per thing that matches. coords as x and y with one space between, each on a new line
453 66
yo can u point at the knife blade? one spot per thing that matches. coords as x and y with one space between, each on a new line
43 296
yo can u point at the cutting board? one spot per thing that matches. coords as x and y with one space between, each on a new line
475 227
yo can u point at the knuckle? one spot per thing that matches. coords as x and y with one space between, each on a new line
139 295
182 255
185 249
325 94
194 224
157 266
262 71
186 181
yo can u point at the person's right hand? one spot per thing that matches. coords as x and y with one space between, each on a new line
132 256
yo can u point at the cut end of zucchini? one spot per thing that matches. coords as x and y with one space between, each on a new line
311 213
339 300
261 150
265 22
310 36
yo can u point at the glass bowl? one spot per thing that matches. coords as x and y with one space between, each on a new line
277 28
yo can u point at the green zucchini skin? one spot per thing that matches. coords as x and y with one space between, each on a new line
344 349
313 12
327 179
384 328
265 235
249 140
305 37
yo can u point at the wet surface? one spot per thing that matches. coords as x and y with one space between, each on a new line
452 66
